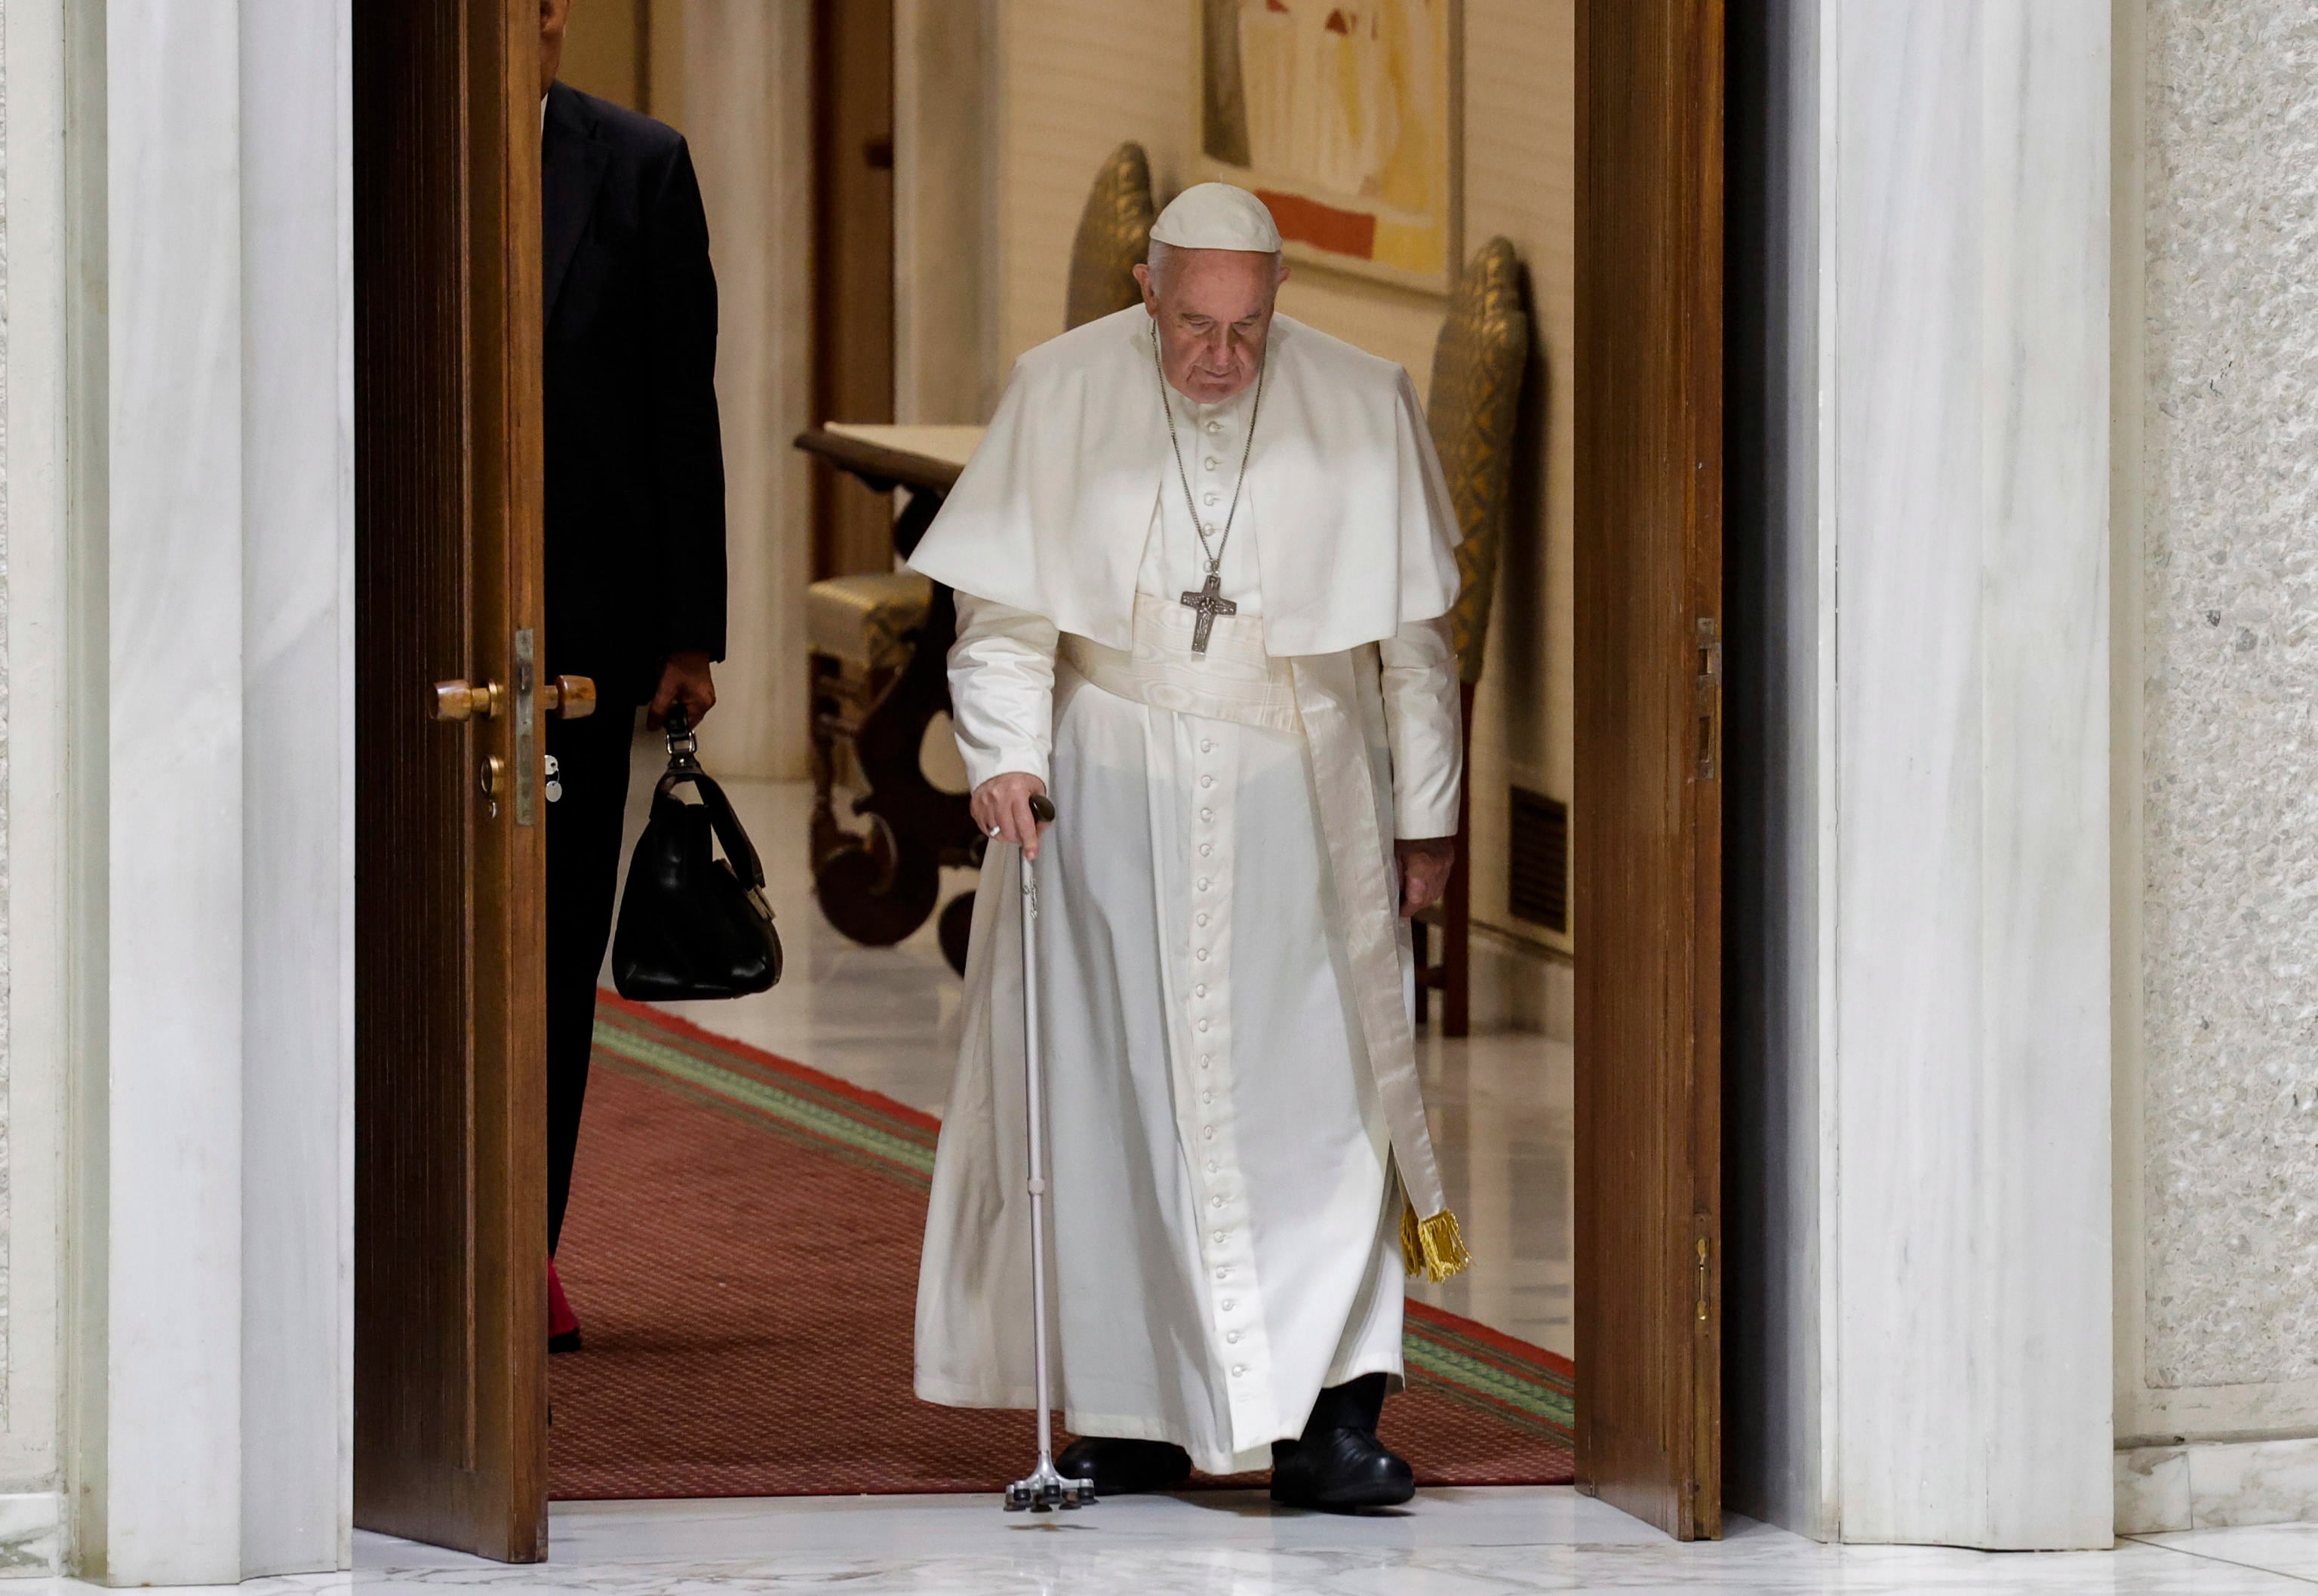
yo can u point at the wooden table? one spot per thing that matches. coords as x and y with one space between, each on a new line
877 886
923 461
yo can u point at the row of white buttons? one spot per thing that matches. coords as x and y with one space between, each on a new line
1211 498
1211 1023
1205 1024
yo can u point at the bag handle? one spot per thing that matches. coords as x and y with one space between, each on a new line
721 819
683 770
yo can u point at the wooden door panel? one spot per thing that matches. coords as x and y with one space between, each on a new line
853 268
450 1407
1649 807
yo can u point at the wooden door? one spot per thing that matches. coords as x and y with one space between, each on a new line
1648 582
450 1164
853 268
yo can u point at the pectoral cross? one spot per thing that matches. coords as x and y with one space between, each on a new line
1209 601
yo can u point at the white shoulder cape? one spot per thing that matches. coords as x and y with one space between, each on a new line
1344 498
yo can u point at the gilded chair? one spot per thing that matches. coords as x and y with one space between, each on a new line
1478 365
1114 237
862 632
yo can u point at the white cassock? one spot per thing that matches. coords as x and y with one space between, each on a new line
1223 978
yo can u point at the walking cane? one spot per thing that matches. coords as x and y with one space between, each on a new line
1044 1490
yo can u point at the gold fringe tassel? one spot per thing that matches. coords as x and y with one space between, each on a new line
1434 1248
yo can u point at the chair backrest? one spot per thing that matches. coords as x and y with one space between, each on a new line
1113 237
1478 367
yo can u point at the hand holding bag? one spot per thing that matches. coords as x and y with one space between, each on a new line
693 925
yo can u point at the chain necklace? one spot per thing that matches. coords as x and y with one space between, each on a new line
1215 552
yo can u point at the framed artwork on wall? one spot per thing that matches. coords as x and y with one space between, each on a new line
1344 115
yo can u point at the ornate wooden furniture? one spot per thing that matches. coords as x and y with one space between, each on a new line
1477 366
875 694
876 690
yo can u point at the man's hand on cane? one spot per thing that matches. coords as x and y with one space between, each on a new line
1424 865
1001 806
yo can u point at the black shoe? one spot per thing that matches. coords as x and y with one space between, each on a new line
1123 1467
1339 1471
568 1341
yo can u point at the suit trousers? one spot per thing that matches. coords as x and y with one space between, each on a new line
583 880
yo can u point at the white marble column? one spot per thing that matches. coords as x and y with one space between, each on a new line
945 218
41 652
748 118
1949 1307
298 730
208 799
173 1241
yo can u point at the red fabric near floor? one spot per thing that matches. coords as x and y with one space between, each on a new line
747 1297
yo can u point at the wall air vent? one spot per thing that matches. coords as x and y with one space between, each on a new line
1538 879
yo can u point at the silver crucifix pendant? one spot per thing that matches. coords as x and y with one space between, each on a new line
1208 602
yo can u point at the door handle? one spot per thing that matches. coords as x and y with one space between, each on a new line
569 697
573 698
456 701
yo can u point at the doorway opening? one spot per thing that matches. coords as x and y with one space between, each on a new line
721 1291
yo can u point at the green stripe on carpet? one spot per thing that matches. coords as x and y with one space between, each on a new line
1521 1384
823 1119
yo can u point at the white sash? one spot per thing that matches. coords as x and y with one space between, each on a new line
1314 696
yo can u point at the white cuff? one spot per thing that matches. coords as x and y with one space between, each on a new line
1001 689
1424 709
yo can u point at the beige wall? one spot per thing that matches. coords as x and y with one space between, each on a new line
1074 77
614 46
1046 88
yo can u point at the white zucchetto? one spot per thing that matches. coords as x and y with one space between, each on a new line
1217 216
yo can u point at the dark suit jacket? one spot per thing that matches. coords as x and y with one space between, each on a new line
635 468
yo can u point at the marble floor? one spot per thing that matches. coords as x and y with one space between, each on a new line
1449 1543
887 1018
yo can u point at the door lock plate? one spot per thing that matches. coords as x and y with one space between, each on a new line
1710 698
526 734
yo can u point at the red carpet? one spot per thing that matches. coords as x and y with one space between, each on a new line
742 1250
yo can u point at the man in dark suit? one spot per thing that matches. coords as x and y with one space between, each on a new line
635 515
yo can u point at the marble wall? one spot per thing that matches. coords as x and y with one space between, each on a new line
2229 696
4 1160
2215 344
31 987
32 494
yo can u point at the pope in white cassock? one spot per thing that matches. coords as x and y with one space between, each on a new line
1203 560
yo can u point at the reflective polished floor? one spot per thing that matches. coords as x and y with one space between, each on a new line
887 1018
1449 1543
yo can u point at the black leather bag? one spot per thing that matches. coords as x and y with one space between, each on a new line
693 925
